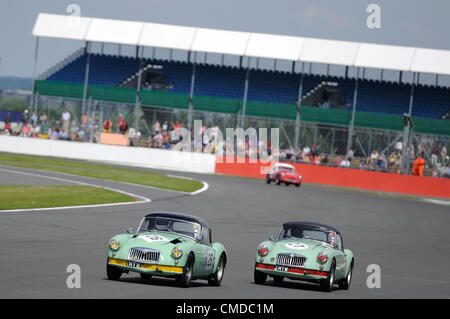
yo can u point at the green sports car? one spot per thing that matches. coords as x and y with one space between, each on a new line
305 251
170 245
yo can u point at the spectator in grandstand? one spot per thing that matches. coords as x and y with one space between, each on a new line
26 131
43 118
338 161
345 163
123 127
107 126
350 154
65 117
34 119
165 126
362 163
393 161
120 120
54 134
418 165
63 135
306 150
382 161
325 159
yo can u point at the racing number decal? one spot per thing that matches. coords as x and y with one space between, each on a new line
210 259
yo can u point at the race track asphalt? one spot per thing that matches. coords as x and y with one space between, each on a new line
408 239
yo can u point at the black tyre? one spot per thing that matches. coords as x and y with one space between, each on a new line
345 284
146 277
259 277
297 185
113 273
216 279
268 179
278 279
185 279
287 184
277 180
327 284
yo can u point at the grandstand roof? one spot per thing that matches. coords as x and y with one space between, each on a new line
249 44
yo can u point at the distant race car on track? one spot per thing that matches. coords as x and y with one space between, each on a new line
305 251
171 245
284 173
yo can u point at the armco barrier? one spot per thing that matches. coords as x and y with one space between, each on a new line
124 155
348 177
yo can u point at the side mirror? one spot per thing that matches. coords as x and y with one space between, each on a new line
130 230
272 238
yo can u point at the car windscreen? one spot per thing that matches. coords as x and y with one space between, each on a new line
167 224
305 232
288 169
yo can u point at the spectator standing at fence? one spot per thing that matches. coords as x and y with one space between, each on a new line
25 117
65 117
34 119
123 127
345 162
418 165
107 126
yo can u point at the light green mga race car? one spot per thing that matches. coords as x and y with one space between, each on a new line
169 245
305 251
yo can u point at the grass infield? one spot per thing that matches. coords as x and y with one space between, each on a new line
102 171
26 197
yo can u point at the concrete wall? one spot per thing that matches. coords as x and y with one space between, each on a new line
133 156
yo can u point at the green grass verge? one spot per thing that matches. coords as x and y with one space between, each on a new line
25 197
101 171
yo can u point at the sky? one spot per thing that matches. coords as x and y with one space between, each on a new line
403 22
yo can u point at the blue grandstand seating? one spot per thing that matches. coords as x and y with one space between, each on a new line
268 86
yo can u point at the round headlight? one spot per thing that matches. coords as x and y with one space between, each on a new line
263 250
322 258
177 252
114 244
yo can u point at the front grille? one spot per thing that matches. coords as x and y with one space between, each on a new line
142 254
291 260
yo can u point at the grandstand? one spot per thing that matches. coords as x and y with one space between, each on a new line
264 86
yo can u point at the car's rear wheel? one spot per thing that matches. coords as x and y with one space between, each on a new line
345 284
277 180
259 277
297 185
185 278
216 279
113 273
268 179
327 284
146 277
278 279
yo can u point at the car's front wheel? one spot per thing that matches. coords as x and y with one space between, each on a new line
113 273
260 277
345 284
216 279
327 284
297 185
185 278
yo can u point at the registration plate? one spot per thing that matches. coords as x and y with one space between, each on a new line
133 264
281 268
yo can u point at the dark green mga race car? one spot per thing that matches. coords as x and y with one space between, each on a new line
305 251
170 245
